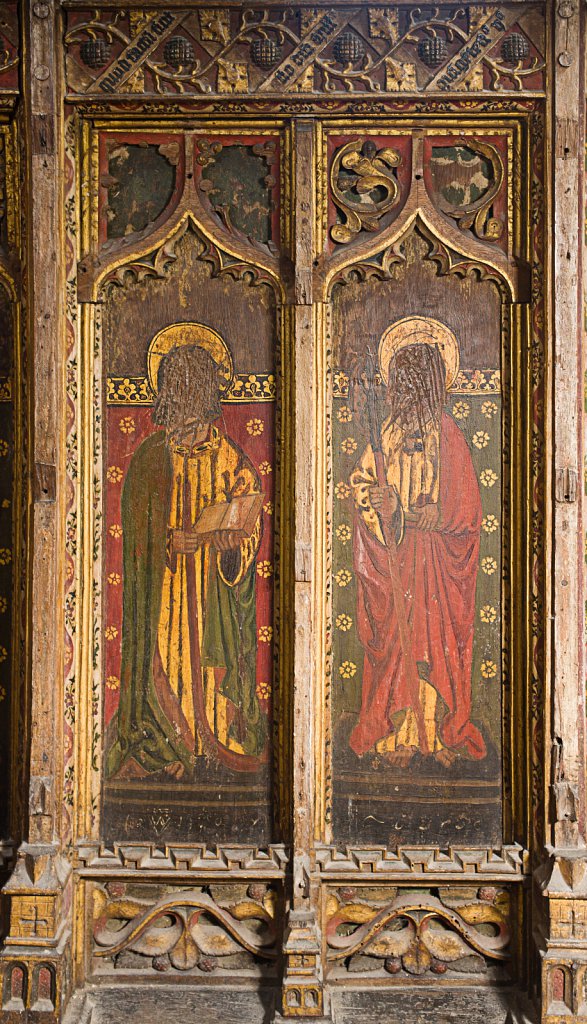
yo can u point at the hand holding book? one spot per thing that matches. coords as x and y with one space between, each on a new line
224 525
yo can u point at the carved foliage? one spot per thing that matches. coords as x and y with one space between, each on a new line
364 186
416 932
185 929
288 50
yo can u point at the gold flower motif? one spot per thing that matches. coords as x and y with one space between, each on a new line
343 532
342 490
481 439
268 508
3 605
489 566
114 578
255 427
127 425
6 503
487 477
490 523
114 474
115 530
344 622
111 632
265 468
349 445
3 447
264 570
2 694
461 410
347 669
344 414
489 409
488 613
343 577
5 556
263 690
488 669
113 682
265 634
3 654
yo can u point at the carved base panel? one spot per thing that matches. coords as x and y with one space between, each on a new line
450 934
196 932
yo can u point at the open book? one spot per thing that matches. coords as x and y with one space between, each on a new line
239 515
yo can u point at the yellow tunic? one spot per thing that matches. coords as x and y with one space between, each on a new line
214 472
413 473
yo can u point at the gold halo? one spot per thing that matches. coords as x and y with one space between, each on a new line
189 334
420 330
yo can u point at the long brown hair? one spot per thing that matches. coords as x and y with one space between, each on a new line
417 386
188 386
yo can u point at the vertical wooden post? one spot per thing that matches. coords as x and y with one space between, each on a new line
563 878
37 889
302 992
568 706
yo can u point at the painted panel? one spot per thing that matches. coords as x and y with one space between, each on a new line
188 574
416 576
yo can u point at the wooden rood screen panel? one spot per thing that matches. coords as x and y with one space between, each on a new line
303 493
418 668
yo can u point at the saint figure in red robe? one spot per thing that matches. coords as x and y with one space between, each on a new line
416 553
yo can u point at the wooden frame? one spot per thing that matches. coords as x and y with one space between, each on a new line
539 111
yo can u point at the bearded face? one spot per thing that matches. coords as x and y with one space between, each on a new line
417 387
188 390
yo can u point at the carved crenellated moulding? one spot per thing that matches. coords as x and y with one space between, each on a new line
95 860
509 863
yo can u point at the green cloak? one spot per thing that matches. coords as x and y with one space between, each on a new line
228 634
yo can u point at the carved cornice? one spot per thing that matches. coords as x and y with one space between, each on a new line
509 863
96 860
340 49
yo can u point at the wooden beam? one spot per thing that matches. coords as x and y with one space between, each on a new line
568 595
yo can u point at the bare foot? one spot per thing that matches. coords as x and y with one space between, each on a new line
445 757
401 757
175 769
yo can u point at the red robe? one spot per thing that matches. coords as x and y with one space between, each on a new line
438 571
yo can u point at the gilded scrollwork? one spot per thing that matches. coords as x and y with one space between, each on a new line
187 929
417 932
363 185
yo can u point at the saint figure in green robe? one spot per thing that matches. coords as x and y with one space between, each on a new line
188 671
